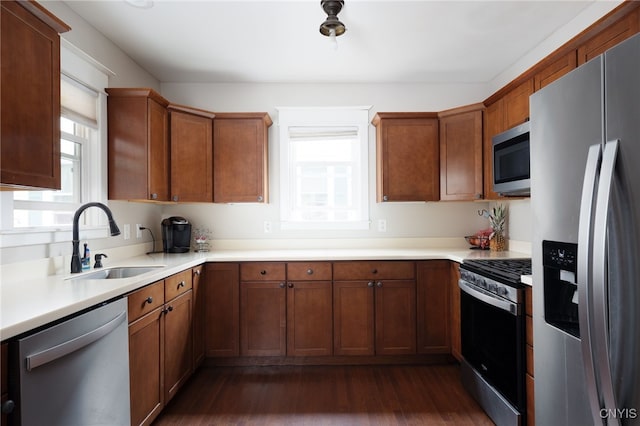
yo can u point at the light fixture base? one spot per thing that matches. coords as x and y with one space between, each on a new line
332 26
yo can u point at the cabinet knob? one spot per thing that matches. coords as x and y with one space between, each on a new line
290 285
282 285
181 284
175 198
149 300
260 198
8 406
385 198
154 196
478 196
370 284
374 271
196 272
379 284
169 309
309 271
263 272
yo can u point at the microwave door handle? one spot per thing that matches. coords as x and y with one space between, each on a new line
600 277
584 277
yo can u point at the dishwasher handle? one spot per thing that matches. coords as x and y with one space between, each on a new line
63 349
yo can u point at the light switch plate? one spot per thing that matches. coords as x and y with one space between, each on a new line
127 231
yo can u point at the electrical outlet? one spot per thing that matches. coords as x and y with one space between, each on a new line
127 231
267 227
382 225
138 230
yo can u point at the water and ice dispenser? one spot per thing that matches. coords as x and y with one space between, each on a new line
560 286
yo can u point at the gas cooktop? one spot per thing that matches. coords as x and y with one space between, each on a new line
508 271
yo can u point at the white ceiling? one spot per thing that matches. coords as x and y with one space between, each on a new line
278 41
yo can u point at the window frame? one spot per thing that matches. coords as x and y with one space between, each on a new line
319 117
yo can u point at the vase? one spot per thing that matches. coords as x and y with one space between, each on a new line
498 242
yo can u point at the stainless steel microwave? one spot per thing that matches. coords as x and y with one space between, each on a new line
511 168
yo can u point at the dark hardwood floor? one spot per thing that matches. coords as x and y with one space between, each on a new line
324 395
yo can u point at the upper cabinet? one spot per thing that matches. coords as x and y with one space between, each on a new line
609 37
138 145
407 156
461 153
191 142
554 70
240 157
30 81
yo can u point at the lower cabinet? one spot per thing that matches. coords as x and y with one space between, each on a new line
198 315
263 318
4 388
160 344
434 336
456 338
375 311
222 309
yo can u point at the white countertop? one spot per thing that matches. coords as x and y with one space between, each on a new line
29 304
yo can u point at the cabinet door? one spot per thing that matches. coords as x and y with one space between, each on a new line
433 307
516 104
138 145
609 37
309 318
353 318
407 158
191 156
240 158
461 156
4 388
456 345
178 348
198 315
493 124
222 309
395 317
555 70
263 318
30 81
146 367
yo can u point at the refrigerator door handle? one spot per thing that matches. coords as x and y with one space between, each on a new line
584 277
600 279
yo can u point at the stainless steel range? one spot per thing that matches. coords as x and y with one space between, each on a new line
493 336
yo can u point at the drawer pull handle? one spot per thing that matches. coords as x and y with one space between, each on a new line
181 284
149 300
374 271
309 271
196 272
263 272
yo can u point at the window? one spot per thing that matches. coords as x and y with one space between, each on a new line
78 131
324 168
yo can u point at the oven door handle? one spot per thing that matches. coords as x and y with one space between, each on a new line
489 298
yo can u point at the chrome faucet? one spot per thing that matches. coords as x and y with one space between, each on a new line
113 228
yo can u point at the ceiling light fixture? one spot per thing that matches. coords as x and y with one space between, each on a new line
332 27
142 4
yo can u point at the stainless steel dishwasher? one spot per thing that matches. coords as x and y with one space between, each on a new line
75 372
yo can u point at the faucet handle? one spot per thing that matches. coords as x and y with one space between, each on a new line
98 257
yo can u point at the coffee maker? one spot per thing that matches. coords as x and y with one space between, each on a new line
176 235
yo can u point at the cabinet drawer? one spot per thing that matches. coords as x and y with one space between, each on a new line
529 330
145 300
262 271
362 270
177 284
309 271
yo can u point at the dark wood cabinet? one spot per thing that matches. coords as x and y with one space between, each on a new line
146 353
516 104
160 344
309 309
4 384
433 307
407 156
374 308
222 309
554 70
609 36
263 309
240 157
461 153
198 315
30 96
191 142
456 344
138 145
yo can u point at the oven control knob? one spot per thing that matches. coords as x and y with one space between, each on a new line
502 291
482 282
492 287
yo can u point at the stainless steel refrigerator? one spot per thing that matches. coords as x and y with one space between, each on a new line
585 198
